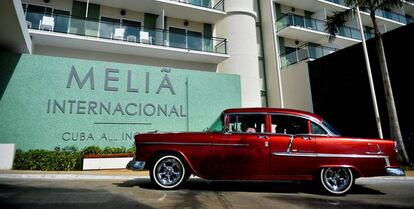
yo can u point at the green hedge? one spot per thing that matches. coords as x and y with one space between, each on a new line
60 159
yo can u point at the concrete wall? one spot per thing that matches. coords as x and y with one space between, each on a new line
14 36
44 104
179 23
60 4
239 27
270 53
115 13
296 86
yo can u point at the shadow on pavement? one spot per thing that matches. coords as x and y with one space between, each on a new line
330 202
250 186
43 197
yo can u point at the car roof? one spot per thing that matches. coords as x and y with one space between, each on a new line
274 110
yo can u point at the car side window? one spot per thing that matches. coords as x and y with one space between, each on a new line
284 124
247 123
317 129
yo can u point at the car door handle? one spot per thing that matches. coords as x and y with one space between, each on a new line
262 137
306 138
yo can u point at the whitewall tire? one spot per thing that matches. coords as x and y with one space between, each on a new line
336 180
168 172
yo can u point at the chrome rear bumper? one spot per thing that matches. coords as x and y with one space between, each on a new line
395 172
136 165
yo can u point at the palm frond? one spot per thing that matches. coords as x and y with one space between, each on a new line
336 21
388 4
360 3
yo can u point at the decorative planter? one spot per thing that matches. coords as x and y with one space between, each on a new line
7 152
106 161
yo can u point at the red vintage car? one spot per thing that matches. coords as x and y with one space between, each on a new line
265 144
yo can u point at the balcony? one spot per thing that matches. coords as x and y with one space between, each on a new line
389 15
312 30
305 52
80 33
219 5
391 19
206 11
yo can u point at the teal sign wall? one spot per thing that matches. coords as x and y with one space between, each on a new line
53 101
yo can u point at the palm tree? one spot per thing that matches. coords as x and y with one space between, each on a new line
338 19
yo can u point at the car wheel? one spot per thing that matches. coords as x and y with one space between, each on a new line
168 172
336 180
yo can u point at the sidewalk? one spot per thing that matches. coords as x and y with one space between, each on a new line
118 174
121 174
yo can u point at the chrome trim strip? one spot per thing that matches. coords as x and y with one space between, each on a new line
174 143
234 145
304 154
192 144
295 154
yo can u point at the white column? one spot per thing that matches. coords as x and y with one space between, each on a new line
239 28
371 81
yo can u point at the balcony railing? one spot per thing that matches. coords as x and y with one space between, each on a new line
123 32
389 15
304 52
316 25
217 5
381 13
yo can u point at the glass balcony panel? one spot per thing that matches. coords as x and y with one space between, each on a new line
34 19
283 22
298 21
106 30
355 34
291 58
220 46
131 31
177 38
326 51
302 54
195 40
61 21
315 51
91 28
219 4
320 25
77 26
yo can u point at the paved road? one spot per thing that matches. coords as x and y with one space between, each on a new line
197 193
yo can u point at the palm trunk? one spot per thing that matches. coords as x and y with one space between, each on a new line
392 112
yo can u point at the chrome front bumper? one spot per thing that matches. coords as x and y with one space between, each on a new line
395 172
136 165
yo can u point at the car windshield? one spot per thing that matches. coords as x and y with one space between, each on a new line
331 128
217 126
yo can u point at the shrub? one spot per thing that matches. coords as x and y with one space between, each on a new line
59 159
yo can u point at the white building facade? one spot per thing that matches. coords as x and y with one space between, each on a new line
266 42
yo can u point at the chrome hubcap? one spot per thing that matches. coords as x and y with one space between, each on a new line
337 179
169 171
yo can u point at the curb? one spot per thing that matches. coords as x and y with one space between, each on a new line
130 177
70 177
